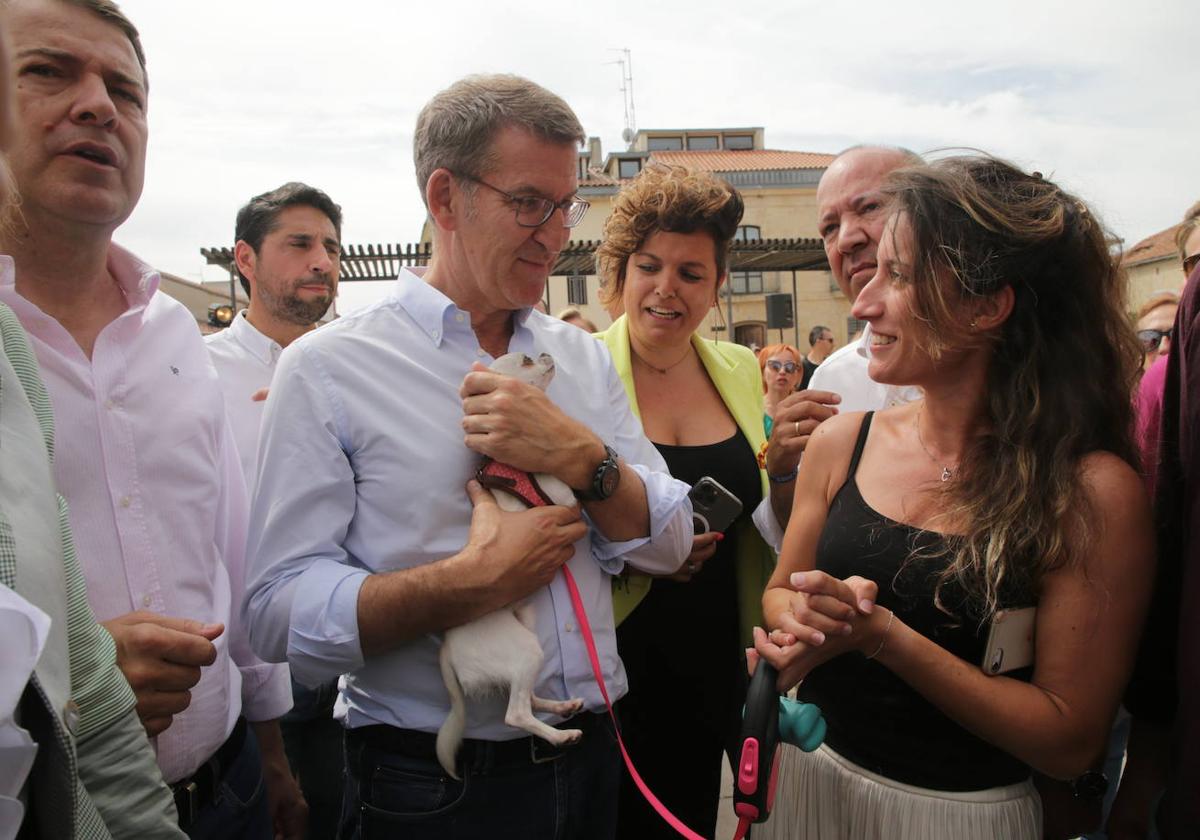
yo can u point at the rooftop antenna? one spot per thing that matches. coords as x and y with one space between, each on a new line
626 62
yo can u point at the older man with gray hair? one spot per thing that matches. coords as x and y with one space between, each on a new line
366 545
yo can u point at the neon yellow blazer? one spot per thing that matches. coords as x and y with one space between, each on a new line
734 371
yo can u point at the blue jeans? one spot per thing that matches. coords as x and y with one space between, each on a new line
239 811
313 741
548 794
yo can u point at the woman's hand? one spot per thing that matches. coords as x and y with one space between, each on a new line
826 617
704 546
823 606
796 659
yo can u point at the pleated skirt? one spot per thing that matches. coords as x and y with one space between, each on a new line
822 796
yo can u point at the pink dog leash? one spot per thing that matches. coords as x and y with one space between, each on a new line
586 629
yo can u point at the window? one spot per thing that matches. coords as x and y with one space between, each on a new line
753 336
583 168
664 144
704 143
854 327
577 290
747 233
739 141
746 282
628 167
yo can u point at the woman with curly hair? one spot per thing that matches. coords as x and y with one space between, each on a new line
1009 485
664 256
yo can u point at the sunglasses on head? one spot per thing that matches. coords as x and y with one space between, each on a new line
1151 339
786 367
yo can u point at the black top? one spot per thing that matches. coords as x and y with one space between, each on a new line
681 641
809 369
875 719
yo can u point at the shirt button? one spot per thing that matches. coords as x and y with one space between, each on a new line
126 501
145 600
569 627
71 716
436 333
109 404
479 352
458 317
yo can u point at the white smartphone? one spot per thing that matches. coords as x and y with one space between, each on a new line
1010 641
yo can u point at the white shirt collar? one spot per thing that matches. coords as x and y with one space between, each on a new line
261 346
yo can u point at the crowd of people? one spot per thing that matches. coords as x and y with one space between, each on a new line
228 563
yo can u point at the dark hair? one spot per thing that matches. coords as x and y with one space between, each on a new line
258 218
456 128
814 335
672 199
1063 363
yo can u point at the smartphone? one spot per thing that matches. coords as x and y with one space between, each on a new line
713 507
1010 641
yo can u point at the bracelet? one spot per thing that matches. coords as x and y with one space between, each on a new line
883 641
785 478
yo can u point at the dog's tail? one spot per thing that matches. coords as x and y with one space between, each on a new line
450 736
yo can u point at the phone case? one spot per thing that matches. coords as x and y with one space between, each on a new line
1010 641
713 507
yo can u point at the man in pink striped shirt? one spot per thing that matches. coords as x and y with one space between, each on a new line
146 458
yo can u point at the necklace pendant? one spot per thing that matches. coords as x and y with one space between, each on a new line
947 473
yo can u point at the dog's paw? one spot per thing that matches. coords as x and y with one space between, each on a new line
573 706
572 736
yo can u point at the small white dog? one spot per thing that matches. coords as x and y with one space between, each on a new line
501 649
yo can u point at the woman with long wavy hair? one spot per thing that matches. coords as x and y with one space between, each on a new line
917 529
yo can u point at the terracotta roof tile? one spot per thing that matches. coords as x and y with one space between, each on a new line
748 160
596 177
1154 247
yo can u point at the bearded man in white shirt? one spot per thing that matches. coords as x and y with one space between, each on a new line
145 455
287 255
375 424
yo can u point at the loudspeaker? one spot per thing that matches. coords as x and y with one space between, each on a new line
779 311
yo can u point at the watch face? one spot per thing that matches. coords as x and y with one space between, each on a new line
608 482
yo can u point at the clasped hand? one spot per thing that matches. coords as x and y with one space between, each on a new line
826 617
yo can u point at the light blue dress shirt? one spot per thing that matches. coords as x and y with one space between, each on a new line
362 469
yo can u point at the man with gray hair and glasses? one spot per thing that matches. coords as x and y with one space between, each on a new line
366 545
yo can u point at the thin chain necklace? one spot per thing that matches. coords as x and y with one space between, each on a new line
947 471
669 367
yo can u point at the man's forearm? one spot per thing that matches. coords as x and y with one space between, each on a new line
626 515
395 607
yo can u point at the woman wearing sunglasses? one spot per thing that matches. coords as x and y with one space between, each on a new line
682 640
781 370
1154 322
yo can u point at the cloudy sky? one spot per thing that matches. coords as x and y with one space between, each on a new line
246 95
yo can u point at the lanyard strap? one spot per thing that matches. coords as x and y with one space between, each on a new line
586 630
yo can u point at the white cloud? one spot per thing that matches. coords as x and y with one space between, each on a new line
246 95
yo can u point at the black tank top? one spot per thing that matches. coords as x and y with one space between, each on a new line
875 719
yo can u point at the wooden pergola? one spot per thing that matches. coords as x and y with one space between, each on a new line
384 261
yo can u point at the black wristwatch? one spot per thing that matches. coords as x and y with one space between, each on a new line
605 481
1091 785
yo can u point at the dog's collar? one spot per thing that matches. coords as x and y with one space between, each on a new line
517 483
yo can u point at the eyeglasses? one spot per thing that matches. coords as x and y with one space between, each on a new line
1190 262
533 210
1151 339
786 367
